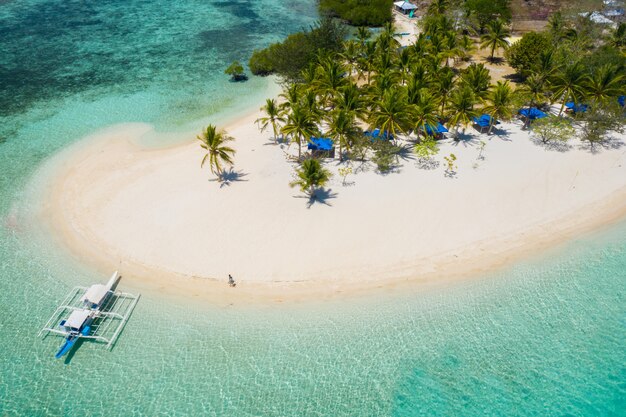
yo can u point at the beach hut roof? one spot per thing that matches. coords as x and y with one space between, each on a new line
598 17
405 5
532 113
576 108
484 120
320 144
375 134
436 129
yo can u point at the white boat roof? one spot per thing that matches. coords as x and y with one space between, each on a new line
95 294
77 318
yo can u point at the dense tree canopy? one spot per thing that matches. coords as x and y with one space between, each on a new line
359 12
524 54
290 57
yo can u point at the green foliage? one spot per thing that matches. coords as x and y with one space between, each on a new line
310 176
358 12
426 148
260 62
235 69
385 156
290 57
485 11
524 54
496 36
450 165
274 116
359 148
344 172
553 130
213 141
599 122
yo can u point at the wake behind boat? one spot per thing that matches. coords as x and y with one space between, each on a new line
98 312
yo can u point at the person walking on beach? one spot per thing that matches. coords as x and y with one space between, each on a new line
231 281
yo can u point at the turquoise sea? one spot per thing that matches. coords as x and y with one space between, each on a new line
544 337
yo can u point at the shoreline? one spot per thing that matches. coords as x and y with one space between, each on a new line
447 264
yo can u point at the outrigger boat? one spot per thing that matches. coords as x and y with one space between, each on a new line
92 312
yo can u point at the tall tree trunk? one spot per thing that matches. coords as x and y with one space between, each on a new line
299 148
563 105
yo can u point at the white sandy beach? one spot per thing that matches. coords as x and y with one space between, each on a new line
167 224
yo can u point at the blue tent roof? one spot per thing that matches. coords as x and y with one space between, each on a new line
576 108
375 134
320 144
532 113
436 129
484 120
621 100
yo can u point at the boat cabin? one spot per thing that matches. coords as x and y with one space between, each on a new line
76 320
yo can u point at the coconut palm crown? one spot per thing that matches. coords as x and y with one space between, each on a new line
217 153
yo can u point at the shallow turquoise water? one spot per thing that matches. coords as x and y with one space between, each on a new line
542 338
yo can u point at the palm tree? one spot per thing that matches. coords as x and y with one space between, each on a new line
213 141
466 47
604 82
291 95
311 175
425 107
618 37
462 108
342 128
274 116
350 98
299 125
351 55
330 77
496 36
533 89
391 114
366 61
557 27
501 101
570 82
405 63
362 35
477 78
438 7
547 65
444 85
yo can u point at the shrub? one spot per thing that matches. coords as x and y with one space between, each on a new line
523 55
290 57
358 12
484 11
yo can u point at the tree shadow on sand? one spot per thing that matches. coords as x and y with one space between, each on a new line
609 143
464 139
320 195
227 177
555 145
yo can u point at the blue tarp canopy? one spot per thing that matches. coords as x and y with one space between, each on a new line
430 130
320 144
405 5
375 134
484 120
532 113
621 100
576 108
